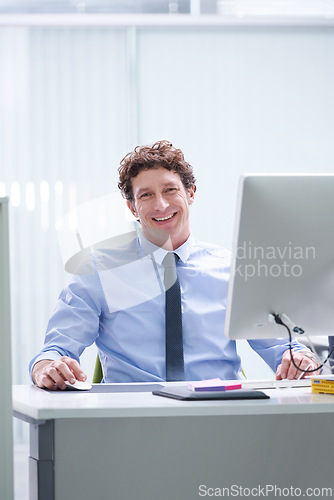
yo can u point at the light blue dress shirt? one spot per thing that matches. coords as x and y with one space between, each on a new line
118 302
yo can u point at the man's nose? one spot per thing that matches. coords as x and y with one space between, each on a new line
160 202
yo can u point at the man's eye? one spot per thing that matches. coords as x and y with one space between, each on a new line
171 189
144 195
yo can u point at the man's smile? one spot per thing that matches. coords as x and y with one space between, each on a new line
161 219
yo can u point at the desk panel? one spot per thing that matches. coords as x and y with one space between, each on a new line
171 457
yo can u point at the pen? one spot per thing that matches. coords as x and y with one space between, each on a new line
293 382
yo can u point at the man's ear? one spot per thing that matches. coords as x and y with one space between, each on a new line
132 208
191 194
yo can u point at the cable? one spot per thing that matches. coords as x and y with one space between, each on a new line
279 321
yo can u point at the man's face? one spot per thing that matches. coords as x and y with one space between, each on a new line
161 203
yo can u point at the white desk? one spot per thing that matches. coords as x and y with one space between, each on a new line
139 446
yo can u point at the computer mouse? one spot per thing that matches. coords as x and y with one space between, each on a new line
78 386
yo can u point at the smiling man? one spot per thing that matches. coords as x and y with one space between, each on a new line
123 304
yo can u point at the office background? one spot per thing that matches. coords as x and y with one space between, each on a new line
237 93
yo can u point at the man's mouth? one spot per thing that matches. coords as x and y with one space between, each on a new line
161 219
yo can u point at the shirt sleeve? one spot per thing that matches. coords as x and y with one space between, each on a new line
74 324
272 350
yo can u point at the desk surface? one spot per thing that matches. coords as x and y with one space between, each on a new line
38 404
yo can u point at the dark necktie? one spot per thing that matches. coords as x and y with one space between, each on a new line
174 342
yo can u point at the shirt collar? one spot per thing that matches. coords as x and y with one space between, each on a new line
159 253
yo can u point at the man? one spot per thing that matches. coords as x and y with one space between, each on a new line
120 304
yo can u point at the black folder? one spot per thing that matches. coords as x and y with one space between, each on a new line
185 394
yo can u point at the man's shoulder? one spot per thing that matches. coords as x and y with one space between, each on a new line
113 251
211 249
114 254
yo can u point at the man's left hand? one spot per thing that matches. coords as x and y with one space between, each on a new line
304 361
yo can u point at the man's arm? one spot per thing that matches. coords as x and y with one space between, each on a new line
52 374
73 326
276 353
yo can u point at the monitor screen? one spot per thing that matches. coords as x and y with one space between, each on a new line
282 256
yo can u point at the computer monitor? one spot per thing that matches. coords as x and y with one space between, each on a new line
282 256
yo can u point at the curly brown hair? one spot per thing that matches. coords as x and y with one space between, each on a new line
161 154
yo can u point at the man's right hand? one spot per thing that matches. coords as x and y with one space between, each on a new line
51 374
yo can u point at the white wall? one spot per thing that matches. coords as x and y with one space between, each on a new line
238 100
74 100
